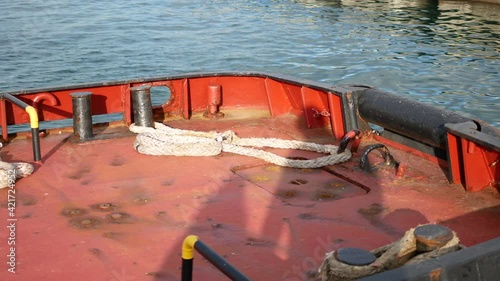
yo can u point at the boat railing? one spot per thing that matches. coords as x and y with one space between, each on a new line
33 116
192 243
466 148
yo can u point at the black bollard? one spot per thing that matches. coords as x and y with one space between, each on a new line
431 237
82 116
354 256
143 108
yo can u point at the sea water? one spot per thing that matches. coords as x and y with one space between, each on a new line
446 53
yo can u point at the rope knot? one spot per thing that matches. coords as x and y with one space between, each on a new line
226 137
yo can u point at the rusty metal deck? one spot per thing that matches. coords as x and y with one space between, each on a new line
101 211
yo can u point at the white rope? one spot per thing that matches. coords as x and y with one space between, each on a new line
164 140
9 172
393 255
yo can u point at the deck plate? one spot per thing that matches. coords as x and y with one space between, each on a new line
271 223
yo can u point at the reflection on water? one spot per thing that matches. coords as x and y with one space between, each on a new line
441 52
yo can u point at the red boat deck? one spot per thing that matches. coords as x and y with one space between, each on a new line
107 212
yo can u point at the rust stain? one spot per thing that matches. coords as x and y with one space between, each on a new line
85 223
104 207
260 178
373 210
29 202
112 235
141 200
298 182
26 216
169 182
251 241
73 212
288 193
78 174
217 226
117 161
325 195
304 170
161 214
273 168
336 185
306 216
95 251
156 274
119 218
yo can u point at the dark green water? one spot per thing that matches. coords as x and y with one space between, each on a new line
444 53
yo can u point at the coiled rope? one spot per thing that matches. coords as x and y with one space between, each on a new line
164 140
9 172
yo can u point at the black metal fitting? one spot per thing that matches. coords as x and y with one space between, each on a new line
214 258
346 139
82 116
35 135
35 130
143 108
354 256
364 164
415 120
431 237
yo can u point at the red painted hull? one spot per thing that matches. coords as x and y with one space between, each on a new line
99 210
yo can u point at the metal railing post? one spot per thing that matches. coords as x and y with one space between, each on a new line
192 243
35 130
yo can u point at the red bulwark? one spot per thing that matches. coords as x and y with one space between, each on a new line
99 210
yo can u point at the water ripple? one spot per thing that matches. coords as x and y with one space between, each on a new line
444 53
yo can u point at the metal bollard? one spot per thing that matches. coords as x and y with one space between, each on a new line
143 108
82 116
431 237
214 101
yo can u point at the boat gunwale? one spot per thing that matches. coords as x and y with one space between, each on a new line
331 88
447 125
